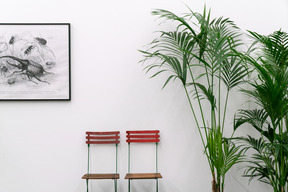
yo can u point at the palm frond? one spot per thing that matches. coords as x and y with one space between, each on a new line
207 93
168 15
167 64
233 72
232 155
257 118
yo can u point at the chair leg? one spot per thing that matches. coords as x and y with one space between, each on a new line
156 185
128 185
115 183
87 185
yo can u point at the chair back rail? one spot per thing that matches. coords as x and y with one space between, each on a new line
149 136
110 137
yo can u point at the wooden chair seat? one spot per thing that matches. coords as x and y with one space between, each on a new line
143 176
101 176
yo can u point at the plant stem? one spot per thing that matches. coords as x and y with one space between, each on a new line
282 159
277 166
195 118
207 76
190 103
219 99
199 102
225 109
213 118
222 184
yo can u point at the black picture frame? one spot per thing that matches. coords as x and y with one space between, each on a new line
35 62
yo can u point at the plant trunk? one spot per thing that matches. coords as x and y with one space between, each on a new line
215 185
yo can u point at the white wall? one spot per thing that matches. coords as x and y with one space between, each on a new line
42 144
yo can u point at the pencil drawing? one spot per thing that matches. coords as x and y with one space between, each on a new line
27 67
25 58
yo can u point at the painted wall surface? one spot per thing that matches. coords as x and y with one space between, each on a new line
42 144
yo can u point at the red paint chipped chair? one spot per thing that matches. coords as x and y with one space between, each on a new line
149 136
102 138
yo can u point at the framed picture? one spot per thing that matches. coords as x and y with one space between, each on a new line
35 61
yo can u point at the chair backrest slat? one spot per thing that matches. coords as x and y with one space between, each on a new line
143 132
144 136
102 142
111 137
142 140
103 133
102 137
149 136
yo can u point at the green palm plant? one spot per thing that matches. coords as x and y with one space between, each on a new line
200 53
269 161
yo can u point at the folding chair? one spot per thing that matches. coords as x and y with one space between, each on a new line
151 136
102 138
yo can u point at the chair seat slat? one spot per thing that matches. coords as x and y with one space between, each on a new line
101 176
143 176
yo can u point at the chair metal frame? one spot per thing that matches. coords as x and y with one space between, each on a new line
144 136
110 137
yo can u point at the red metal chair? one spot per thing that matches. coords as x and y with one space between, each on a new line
102 138
149 136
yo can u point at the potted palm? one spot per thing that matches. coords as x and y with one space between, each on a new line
201 54
269 160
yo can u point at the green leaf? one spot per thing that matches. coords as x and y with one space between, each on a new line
207 92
